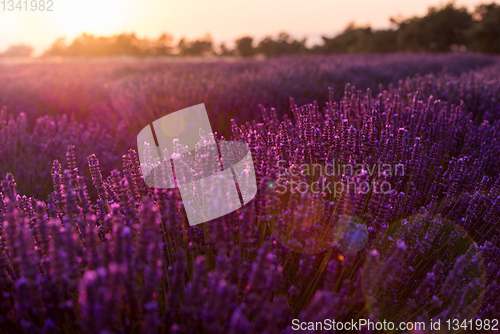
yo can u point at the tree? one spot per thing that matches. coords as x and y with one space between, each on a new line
438 31
485 34
244 46
283 45
163 45
352 39
87 45
197 48
225 51
126 44
58 48
18 51
382 41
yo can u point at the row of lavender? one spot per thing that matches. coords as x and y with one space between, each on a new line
107 103
129 262
122 90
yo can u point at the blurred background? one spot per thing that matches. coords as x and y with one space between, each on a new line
94 73
154 28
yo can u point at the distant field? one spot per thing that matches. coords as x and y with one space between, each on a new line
119 96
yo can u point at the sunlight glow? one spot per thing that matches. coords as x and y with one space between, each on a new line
92 16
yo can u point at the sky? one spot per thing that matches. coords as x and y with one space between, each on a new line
224 20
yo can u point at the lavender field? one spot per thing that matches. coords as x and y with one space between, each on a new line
87 247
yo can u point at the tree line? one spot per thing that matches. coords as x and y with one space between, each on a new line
443 29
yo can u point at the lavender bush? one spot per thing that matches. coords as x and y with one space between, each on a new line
105 253
107 102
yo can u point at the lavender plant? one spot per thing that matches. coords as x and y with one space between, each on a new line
107 102
105 253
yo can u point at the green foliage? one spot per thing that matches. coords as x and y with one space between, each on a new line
438 31
485 35
199 47
244 46
353 39
442 29
19 50
283 45
225 51
87 45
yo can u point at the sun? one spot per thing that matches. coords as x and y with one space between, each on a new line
99 17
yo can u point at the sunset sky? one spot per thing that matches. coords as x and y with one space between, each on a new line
225 20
